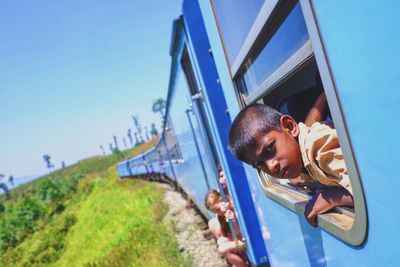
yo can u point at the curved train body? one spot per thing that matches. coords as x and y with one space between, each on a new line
227 54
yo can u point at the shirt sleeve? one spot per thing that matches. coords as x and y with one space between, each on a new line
329 156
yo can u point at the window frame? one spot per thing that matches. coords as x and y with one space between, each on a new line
268 20
286 69
357 235
334 223
258 24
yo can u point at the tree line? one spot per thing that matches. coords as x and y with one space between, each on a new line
141 134
158 106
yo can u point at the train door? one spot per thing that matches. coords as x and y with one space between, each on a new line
197 114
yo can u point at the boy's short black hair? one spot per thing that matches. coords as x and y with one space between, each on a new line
253 119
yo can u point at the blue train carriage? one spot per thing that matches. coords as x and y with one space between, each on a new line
198 122
284 53
152 161
186 133
194 141
124 169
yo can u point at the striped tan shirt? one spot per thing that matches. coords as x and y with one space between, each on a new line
322 155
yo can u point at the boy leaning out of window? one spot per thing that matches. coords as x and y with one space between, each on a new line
276 144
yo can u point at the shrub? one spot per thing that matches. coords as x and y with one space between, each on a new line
70 184
19 221
68 221
2 208
50 190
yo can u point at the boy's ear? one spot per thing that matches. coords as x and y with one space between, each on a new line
290 125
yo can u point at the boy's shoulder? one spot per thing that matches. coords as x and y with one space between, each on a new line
312 139
317 132
321 153
320 127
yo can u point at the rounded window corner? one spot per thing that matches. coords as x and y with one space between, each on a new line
350 226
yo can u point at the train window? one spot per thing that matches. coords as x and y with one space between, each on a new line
281 71
173 149
285 42
235 19
295 96
198 105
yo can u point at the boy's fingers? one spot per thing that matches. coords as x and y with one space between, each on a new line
311 218
310 214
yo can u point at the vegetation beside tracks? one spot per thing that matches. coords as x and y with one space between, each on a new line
84 215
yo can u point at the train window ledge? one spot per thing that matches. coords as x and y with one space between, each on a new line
340 222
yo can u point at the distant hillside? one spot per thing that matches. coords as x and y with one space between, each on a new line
84 215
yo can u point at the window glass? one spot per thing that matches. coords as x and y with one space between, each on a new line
193 172
198 106
289 37
235 18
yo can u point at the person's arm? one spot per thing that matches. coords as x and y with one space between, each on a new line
230 216
225 245
330 168
318 110
326 200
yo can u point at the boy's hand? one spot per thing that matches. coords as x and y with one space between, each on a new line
326 200
315 206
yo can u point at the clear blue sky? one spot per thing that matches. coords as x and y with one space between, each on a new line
73 72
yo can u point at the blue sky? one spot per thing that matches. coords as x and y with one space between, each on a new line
73 72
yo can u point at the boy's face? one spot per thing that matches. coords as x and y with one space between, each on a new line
277 152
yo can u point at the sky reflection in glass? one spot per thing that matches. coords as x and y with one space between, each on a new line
289 37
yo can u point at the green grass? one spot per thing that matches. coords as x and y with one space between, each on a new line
85 215
89 166
121 226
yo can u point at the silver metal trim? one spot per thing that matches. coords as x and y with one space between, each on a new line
300 56
198 95
357 234
187 111
252 35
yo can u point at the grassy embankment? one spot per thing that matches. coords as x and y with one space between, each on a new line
85 215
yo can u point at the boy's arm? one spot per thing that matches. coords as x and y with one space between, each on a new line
230 216
327 157
326 200
317 111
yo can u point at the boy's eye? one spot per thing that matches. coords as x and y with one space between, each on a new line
269 151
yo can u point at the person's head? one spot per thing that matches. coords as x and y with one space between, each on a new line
214 202
222 178
267 140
